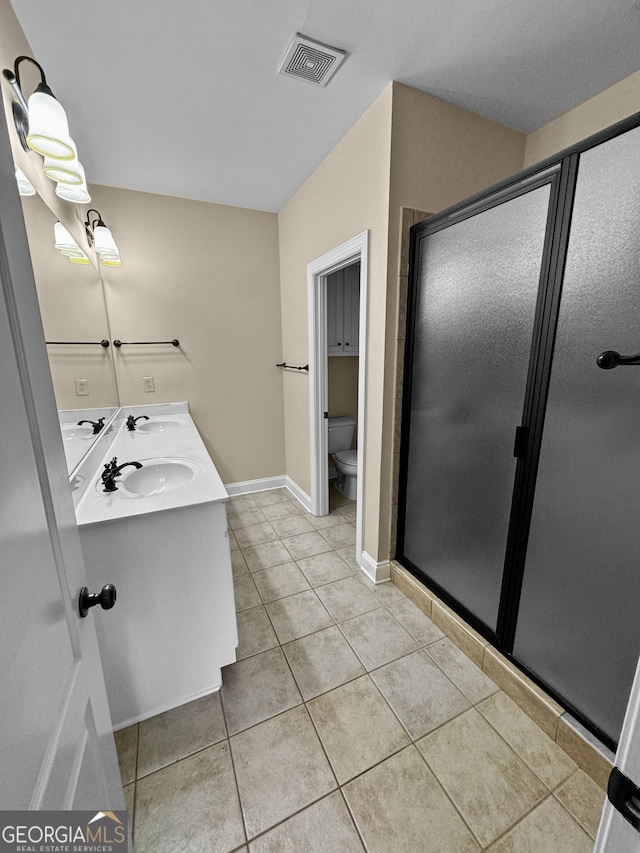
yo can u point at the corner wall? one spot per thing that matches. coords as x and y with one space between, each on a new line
347 194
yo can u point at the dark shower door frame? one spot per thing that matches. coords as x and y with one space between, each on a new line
561 171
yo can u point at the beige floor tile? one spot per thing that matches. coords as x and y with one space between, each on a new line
324 827
284 509
256 534
340 536
468 677
321 522
583 799
306 545
255 633
298 615
127 749
324 568
377 638
349 511
292 525
272 496
336 498
246 593
421 628
168 737
239 502
399 807
386 592
190 807
266 556
422 697
534 747
257 688
348 554
238 564
548 829
130 798
280 581
268 757
489 784
322 661
347 598
356 727
244 517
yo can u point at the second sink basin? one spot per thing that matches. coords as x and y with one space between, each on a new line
158 426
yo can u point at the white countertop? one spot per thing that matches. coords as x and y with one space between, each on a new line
180 440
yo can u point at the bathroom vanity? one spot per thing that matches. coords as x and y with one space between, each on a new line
160 537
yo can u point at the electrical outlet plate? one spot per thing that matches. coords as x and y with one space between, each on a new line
82 388
148 384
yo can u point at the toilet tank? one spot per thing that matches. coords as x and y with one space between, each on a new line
341 434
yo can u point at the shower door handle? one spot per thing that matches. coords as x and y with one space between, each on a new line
609 359
520 443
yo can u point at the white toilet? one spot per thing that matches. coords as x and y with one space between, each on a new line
346 460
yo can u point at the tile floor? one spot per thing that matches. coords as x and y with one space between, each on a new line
348 723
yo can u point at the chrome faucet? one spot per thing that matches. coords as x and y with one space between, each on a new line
112 470
97 425
131 421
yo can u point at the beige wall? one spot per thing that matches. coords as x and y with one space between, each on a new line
343 387
347 194
604 109
208 275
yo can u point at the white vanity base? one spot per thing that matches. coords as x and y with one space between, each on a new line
173 626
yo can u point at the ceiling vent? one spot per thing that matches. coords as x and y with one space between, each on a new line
311 61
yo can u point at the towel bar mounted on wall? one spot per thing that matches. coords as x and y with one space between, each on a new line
102 343
175 342
293 367
610 358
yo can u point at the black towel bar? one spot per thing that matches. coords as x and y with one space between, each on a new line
293 367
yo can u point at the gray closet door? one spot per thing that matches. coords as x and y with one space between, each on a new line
578 625
473 313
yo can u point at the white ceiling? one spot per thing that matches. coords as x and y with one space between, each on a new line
183 98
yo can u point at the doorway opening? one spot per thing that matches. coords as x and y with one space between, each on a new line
352 255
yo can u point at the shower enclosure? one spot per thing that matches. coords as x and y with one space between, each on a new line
519 500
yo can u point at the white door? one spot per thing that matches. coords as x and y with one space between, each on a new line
618 834
56 745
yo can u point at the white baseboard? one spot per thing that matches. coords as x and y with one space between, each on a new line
376 572
246 487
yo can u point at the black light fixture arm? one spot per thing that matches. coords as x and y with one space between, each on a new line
610 358
90 224
20 107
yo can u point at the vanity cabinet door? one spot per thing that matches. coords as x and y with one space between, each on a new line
343 311
335 318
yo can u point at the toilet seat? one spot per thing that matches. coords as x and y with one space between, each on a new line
347 458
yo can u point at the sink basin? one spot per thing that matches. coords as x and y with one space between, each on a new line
71 431
158 476
157 426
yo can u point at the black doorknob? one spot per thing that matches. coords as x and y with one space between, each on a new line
106 598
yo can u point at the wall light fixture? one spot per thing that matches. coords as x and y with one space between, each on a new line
101 238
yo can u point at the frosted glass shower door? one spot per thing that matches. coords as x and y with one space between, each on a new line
473 308
578 624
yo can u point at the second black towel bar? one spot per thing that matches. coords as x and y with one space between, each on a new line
175 342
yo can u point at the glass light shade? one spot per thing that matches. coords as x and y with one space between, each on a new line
64 171
24 185
79 259
63 240
104 242
111 261
48 128
78 194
